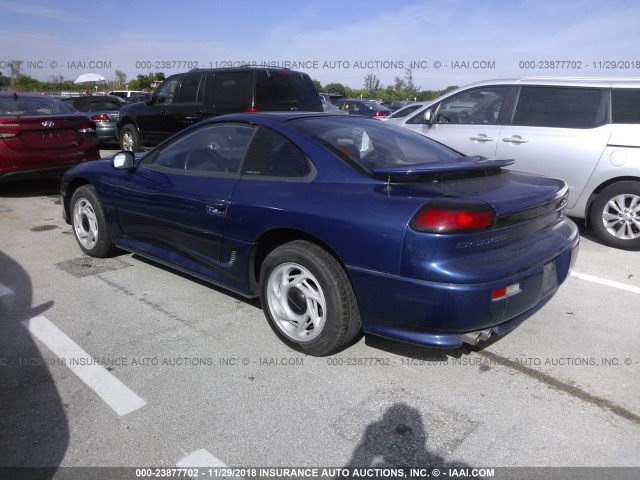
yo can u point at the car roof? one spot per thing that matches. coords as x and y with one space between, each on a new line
11 93
280 117
601 82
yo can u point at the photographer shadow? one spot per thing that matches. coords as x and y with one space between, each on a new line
397 440
34 430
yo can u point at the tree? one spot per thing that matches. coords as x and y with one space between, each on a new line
318 85
371 83
399 84
411 90
4 81
336 88
15 66
121 77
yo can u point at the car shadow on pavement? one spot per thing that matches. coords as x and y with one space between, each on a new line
33 422
417 352
36 187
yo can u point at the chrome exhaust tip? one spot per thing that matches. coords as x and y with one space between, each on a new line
473 338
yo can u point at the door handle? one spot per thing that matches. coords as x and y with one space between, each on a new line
515 139
198 115
481 137
218 207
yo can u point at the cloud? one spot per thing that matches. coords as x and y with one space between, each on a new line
37 11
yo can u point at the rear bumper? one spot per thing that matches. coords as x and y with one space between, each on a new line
436 314
18 165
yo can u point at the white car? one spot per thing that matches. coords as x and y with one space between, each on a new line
584 131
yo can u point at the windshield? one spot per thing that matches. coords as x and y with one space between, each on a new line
372 144
17 106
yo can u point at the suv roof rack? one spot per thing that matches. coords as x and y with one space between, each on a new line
244 65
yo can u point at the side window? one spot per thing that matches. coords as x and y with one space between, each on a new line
166 91
190 90
212 149
478 106
561 107
405 111
231 92
272 155
625 106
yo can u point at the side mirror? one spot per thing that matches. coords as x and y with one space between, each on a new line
429 116
123 160
152 100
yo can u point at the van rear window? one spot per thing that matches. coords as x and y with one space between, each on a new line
561 107
625 106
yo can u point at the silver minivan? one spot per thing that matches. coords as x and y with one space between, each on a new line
583 130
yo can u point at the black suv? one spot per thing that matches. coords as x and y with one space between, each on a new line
186 98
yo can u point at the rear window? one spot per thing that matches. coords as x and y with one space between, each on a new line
285 90
625 106
32 106
103 105
561 107
231 92
368 144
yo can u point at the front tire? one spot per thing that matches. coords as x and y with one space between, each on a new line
130 138
89 224
615 215
308 299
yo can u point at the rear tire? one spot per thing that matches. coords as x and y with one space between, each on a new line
308 299
89 224
130 138
615 215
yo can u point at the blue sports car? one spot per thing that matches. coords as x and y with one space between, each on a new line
338 223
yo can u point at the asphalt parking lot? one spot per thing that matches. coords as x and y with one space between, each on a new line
164 370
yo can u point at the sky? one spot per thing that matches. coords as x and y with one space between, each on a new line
442 42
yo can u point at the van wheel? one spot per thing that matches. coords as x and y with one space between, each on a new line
615 215
130 138
308 299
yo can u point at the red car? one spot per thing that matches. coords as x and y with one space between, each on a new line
41 136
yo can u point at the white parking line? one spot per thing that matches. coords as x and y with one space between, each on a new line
200 458
4 290
115 393
203 459
608 283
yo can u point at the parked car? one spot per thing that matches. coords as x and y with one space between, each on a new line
127 93
103 111
186 98
404 111
331 97
367 108
337 223
585 131
394 105
42 136
331 108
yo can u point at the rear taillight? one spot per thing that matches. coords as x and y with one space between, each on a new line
89 127
380 114
252 110
452 219
103 117
7 133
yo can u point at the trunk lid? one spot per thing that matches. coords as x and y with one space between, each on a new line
58 132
